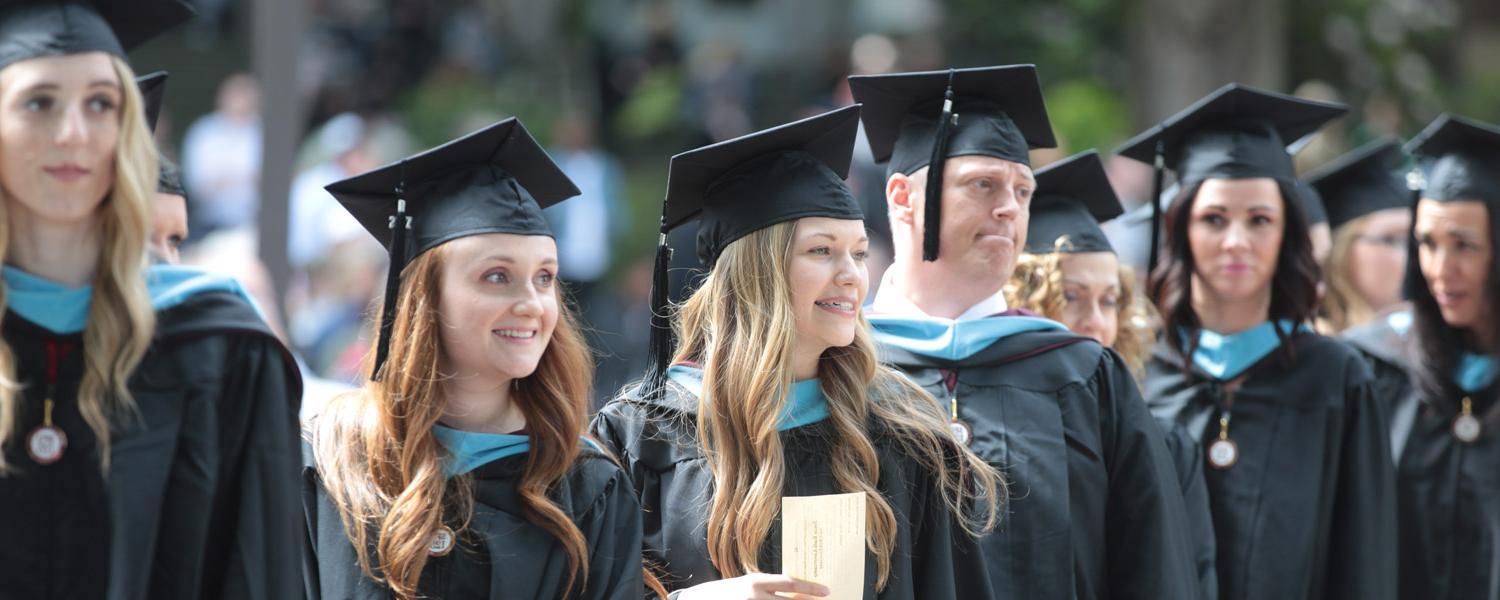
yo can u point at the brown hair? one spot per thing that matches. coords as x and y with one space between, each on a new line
738 326
1294 286
381 464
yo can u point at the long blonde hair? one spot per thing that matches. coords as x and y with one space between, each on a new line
120 321
740 328
382 467
1343 305
1037 286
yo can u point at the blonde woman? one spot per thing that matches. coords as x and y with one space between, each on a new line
775 391
1369 209
460 465
147 415
1070 274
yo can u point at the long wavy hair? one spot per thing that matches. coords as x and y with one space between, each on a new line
740 328
1294 286
1343 306
120 322
1438 344
1037 286
382 467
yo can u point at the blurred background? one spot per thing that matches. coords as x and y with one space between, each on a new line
269 101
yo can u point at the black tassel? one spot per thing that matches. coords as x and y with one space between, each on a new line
932 214
1155 201
1412 280
398 224
659 350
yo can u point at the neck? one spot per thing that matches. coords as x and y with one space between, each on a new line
65 252
1229 316
939 293
481 406
805 361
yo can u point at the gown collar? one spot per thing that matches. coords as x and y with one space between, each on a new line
806 404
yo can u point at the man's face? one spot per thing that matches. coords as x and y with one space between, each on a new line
986 208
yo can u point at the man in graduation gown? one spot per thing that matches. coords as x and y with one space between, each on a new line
1095 510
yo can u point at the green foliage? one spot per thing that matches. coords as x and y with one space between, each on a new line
1085 114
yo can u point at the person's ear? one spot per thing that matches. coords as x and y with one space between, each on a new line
899 198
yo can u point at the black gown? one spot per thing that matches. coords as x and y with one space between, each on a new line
197 503
1187 455
1308 510
501 554
1385 350
1096 504
1447 492
933 559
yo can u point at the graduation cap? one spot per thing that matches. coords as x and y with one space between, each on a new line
1073 196
1236 132
153 88
1465 157
739 186
1361 182
920 119
495 180
1311 202
169 177
36 28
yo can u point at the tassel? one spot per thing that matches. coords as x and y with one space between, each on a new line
1413 281
659 350
932 214
1155 201
399 223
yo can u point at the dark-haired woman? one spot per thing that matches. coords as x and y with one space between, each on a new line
1448 478
1298 466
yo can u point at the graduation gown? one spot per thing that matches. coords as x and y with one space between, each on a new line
197 502
933 558
1307 511
1096 505
501 554
1385 350
1187 456
1447 492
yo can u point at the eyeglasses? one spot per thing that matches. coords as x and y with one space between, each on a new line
1392 242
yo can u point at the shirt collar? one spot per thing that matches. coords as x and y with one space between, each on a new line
889 301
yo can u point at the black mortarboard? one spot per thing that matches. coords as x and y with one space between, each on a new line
36 28
495 180
916 120
1465 157
1236 132
1460 161
1311 202
153 88
738 186
1362 182
169 177
1073 196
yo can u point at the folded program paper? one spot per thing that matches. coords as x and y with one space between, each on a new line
823 540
